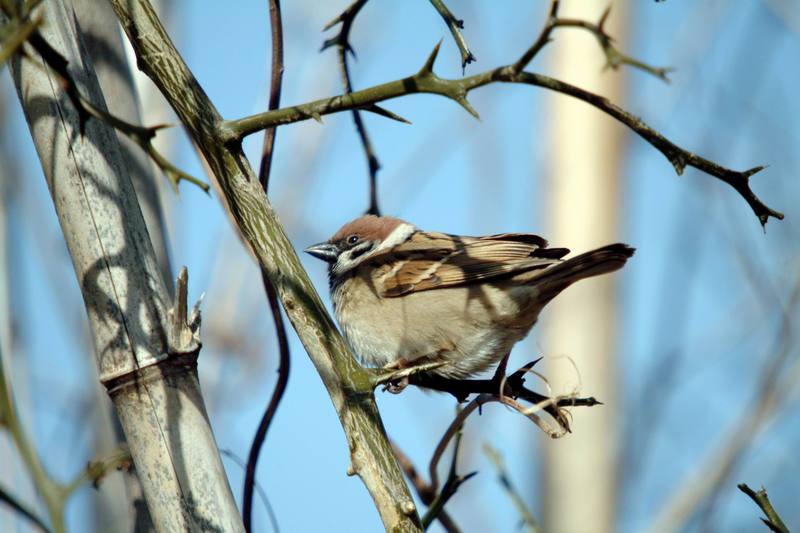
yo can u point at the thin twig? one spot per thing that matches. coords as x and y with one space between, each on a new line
455 25
14 35
531 524
141 135
277 395
502 389
424 490
541 41
261 492
96 471
773 520
49 490
22 508
451 485
342 42
272 295
276 81
506 390
450 432
614 58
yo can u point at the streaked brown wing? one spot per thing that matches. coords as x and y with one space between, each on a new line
435 260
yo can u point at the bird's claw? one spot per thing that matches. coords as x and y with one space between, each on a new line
396 386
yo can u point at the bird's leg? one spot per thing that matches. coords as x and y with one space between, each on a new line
395 376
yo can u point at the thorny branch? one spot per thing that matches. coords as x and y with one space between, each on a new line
450 487
342 42
506 390
284 363
500 388
614 58
773 520
141 135
426 81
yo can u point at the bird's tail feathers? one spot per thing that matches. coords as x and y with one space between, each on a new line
594 263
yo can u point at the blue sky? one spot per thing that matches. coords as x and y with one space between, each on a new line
685 301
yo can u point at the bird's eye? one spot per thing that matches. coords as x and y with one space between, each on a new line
352 239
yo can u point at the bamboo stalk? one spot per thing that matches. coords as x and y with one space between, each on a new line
147 364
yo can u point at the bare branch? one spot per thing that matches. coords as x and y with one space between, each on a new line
141 135
276 80
347 383
455 26
273 519
451 485
284 366
424 490
530 523
96 470
506 390
14 34
342 43
425 81
276 76
614 58
773 520
22 508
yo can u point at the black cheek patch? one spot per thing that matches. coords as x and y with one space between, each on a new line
355 254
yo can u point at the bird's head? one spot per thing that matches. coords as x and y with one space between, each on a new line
359 240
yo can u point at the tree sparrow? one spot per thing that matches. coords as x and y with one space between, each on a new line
405 297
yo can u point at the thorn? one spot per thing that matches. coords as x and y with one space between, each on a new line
427 68
601 23
316 116
468 58
327 43
468 476
336 20
385 113
466 105
173 179
755 170
678 164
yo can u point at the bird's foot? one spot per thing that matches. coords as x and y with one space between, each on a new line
396 386
395 376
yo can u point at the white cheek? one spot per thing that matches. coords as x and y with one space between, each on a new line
398 236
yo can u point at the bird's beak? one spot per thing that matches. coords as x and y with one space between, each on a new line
326 251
